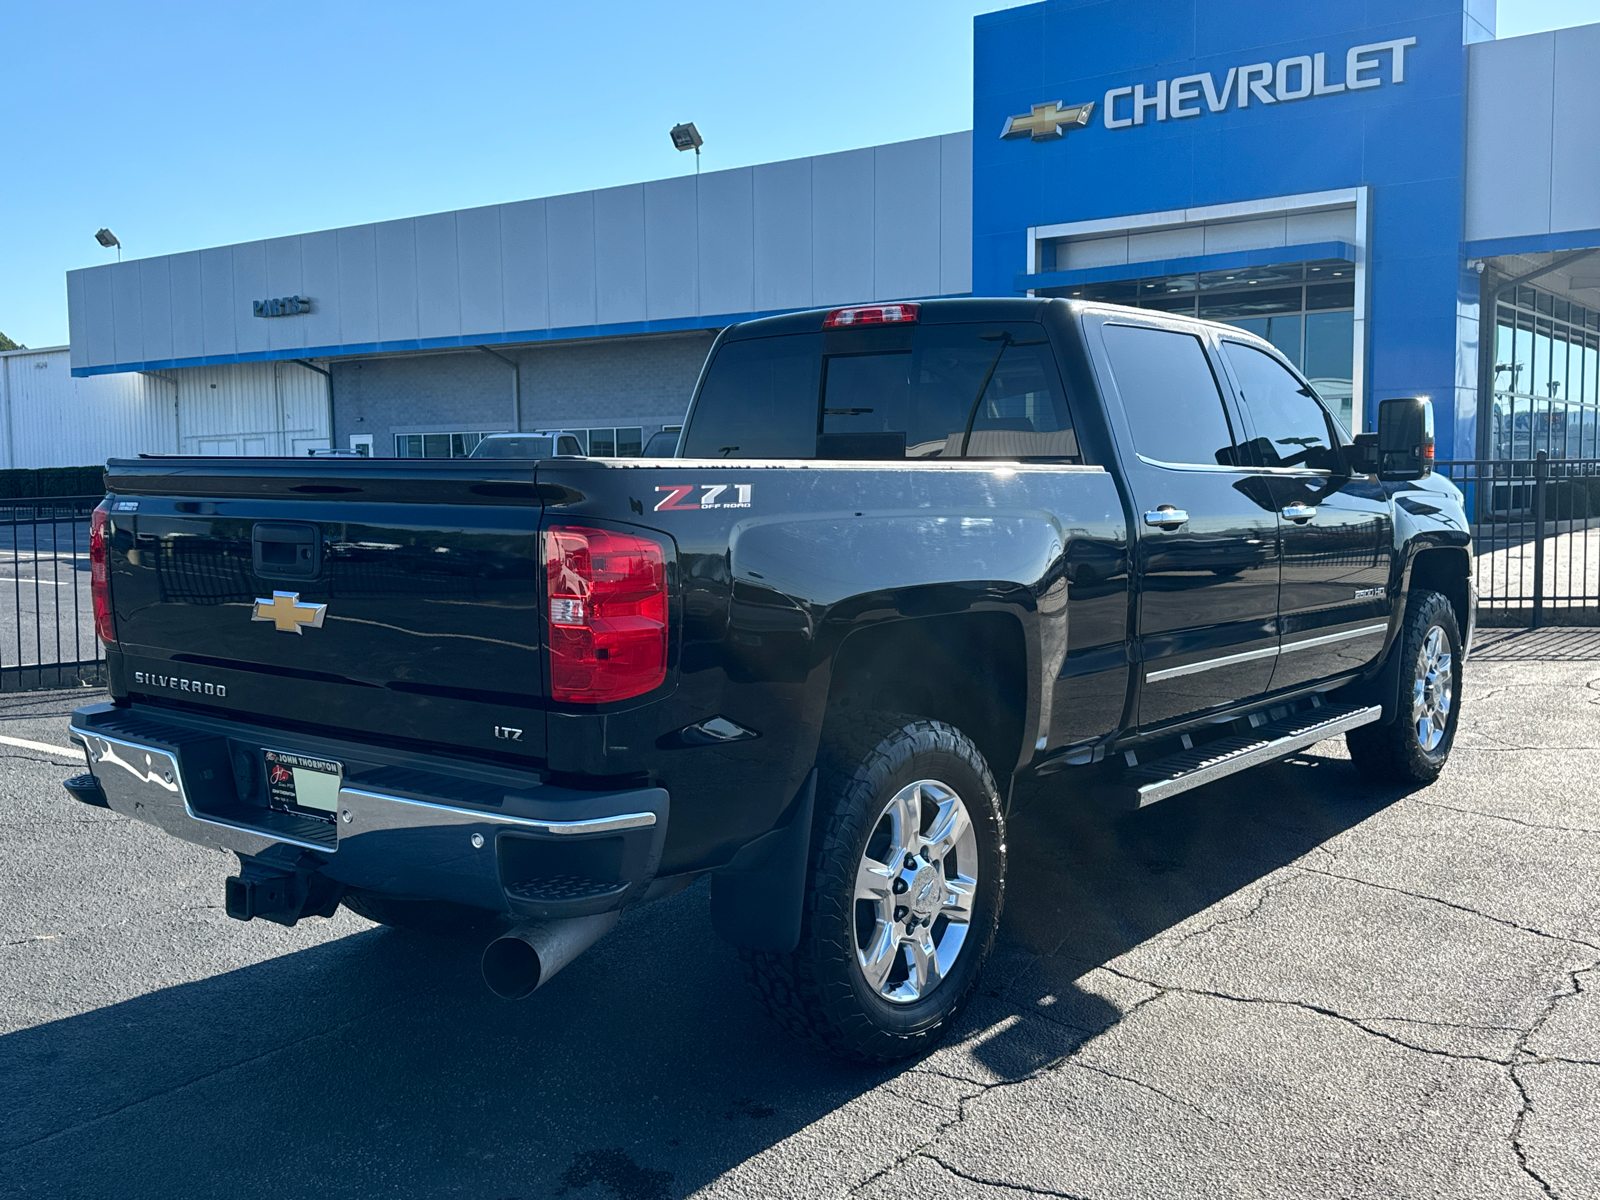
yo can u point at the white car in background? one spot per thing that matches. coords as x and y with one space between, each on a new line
540 443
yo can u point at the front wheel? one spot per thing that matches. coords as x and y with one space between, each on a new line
904 889
1413 748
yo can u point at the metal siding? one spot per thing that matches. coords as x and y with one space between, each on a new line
249 285
285 277
59 421
569 253
525 269
841 228
670 259
905 219
955 213
725 239
319 273
619 254
1510 98
128 332
155 306
397 281
187 306
102 316
77 319
358 285
782 235
216 297
1575 139
482 291
244 408
438 277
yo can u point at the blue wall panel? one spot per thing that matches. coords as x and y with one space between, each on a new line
1402 140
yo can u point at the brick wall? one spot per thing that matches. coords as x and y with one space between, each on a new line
644 381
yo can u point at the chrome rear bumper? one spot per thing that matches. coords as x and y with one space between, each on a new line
408 826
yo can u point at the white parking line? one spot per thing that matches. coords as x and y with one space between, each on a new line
64 751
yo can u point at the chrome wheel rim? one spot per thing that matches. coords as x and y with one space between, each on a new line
915 889
1433 690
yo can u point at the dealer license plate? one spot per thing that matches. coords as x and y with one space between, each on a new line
306 786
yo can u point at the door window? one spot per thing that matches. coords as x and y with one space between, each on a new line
1291 428
1171 397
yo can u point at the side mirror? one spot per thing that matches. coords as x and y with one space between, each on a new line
1403 445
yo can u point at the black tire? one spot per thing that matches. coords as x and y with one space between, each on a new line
1394 753
819 992
435 918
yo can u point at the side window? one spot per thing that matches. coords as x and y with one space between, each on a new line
759 400
1291 428
1171 397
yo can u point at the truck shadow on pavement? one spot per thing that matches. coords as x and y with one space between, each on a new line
378 1064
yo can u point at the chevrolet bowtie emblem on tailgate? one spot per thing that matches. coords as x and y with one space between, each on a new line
286 612
1046 122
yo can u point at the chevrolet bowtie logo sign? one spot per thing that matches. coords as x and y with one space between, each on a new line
286 612
1048 121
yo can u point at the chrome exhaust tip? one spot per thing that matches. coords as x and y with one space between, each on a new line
520 961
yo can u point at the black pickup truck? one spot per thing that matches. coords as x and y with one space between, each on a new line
905 554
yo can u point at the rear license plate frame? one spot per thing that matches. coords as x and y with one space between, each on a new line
302 784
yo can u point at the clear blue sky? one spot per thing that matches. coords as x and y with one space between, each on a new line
183 125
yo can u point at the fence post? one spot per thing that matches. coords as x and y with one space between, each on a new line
1541 471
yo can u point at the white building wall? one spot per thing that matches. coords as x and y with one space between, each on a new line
265 408
51 419
881 223
1533 128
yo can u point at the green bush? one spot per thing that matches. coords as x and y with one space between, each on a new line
53 481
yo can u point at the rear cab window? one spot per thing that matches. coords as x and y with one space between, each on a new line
970 390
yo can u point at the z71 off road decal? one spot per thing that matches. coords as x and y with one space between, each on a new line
680 496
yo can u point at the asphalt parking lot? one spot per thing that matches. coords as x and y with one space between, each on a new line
1285 985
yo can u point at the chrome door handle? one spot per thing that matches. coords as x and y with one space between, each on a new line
1166 517
1298 512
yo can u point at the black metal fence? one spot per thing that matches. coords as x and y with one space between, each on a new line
1536 537
47 635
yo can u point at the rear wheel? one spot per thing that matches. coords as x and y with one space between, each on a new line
437 918
1413 748
904 891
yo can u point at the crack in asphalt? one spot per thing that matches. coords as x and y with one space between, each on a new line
1473 812
1517 1145
1028 1189
1505 921
1139 1083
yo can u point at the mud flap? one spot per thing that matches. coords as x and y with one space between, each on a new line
756 900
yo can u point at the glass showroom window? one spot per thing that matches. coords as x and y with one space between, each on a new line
626 441
435 445
1546 393
1306 310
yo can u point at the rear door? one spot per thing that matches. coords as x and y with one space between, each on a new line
1337 530
1207 551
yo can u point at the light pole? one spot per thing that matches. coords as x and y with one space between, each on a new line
108 239
687 137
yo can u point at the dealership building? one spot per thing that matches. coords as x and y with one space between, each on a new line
1401 203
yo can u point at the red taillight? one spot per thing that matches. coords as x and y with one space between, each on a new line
99 576
607 597
872 314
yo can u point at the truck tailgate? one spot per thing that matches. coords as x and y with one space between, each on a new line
220 569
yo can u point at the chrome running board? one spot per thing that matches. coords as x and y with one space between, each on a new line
1163 777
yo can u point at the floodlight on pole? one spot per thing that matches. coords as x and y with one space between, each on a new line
108 239
687 137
